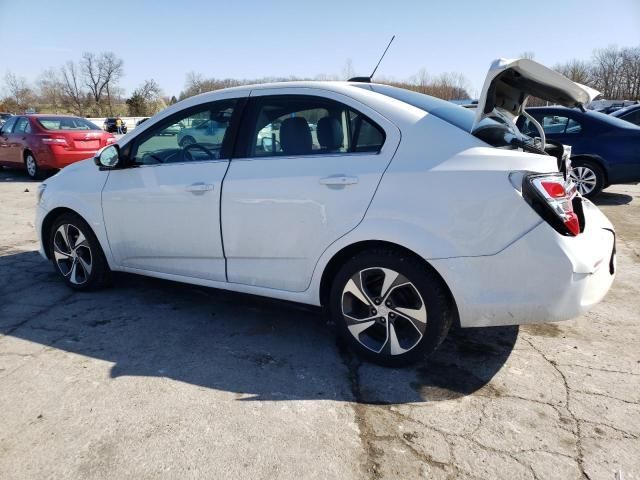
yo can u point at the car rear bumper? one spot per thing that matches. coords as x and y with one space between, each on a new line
58 160
542 277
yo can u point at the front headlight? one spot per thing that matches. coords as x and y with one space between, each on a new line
41 189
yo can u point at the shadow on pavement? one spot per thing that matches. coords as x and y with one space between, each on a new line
611 198
258 348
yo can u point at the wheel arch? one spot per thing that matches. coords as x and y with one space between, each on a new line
47 224
332 267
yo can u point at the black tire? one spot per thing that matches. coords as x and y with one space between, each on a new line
580 168
31 166
426 289
63 258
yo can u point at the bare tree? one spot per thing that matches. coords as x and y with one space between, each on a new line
607 63
21 95
146 99
99 73
71 84
50 89
575 70
348 71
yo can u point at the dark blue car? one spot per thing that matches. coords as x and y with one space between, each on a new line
630 114
604 149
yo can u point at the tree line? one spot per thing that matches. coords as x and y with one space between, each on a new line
90 86
613 71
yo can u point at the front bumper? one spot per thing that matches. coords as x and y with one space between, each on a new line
542 277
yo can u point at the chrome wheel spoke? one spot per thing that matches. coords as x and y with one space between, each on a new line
60 255
63 230
85 266
73 273
80 241
394 344
357 292
357 328
417 314
389 278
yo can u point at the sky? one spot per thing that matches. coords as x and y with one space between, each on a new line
165 40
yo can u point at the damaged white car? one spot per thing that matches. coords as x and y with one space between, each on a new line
401 213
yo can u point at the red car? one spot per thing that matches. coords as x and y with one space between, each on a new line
47 142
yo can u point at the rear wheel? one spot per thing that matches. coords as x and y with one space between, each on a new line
31 165
588 177
389 308
76 253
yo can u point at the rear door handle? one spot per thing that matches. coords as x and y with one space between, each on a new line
199 187
339 180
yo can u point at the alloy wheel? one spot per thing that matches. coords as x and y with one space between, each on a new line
384 311
72 254
32 166
584 178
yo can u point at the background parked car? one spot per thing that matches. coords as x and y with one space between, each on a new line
46 142
604 148
4 117
630 114
206 132
111 127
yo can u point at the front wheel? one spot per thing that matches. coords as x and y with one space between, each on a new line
389 308
588 177
76 253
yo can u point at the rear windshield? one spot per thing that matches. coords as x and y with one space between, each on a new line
66 123
449 112
493 132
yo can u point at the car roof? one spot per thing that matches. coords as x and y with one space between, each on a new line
627 109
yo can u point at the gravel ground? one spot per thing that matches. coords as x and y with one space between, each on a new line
157 379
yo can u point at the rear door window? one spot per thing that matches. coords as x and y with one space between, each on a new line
559 125
286 125
22 126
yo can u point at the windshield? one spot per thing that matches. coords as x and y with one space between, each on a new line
66 123
492 131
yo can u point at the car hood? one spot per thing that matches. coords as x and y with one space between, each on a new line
509 83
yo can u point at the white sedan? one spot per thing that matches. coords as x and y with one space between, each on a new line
402 214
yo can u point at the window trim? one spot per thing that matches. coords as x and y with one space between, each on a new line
245 142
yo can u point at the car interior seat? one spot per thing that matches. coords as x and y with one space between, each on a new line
330 134
295 136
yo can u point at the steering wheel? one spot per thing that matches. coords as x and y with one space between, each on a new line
191 146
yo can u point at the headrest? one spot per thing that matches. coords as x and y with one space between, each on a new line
295 136
330 134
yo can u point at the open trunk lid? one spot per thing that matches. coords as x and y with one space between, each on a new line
509 84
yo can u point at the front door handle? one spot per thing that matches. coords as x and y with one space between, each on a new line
338 180
199 187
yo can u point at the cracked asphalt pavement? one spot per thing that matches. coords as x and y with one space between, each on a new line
156 379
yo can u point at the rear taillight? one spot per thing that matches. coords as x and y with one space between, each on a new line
55 141
553 198
111 140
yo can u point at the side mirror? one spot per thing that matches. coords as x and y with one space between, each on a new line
108 157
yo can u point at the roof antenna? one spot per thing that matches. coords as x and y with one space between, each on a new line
370 77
